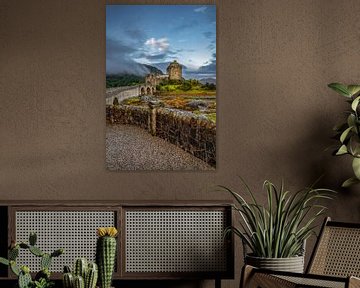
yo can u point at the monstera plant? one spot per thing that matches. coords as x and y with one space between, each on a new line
348 133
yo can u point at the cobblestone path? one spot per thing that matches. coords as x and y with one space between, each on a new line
132 148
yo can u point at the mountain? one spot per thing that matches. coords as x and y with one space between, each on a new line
129 79
117 80
207 80
153 69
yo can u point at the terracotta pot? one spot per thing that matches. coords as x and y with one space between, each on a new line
291 264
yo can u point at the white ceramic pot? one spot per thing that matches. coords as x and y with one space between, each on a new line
291 264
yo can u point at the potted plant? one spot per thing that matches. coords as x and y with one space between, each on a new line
84 274
276 233
42 278
348 132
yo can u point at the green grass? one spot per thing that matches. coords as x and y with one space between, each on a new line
181 102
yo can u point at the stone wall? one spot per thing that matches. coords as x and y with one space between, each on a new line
186 130
125 114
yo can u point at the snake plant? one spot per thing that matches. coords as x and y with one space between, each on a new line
348 132
279 228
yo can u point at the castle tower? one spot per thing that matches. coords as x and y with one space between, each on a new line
174 70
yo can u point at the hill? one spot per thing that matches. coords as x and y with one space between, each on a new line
153 69
126 79
207 80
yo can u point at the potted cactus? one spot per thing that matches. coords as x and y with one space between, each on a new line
106 254
42 278
85 275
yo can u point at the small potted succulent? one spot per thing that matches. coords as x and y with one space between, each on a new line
275 233
348 132
84 274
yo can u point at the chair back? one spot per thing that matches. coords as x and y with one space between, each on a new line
337 251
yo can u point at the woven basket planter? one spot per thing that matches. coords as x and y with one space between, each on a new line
291 264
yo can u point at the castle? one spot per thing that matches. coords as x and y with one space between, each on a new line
174 72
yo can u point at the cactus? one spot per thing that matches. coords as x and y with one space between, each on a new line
44 273
90 272
24 280
32 238
14 268
36 251
57 252
79 282
68 280
42 278
105 254
45 261
80 268
91 276
13 253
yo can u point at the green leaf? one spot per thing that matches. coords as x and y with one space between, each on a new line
353 89
14 268
355 103
345 134
356 167
351 120
4 261
349 182
340 88
279 228
354 145
342 150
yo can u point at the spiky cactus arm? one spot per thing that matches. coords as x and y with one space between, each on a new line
80 268
68 280
91 276
24 280
36 251
57 253
13 253
14 268
23 273
105 257
79 282
32 238
45 261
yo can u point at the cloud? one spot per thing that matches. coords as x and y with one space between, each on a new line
157 57
208 70
201 9
186 25
211 47
160 45
137 33
208 34
119 59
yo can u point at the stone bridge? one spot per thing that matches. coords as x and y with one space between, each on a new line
124 92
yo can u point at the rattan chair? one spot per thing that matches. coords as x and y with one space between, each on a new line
334 263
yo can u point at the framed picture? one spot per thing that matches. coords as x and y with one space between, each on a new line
161 87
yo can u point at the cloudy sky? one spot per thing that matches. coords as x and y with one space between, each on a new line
155 34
